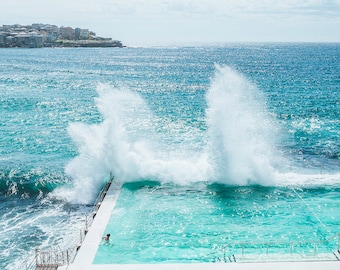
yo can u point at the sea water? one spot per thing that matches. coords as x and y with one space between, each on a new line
225 141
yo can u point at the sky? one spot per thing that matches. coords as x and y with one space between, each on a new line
171 22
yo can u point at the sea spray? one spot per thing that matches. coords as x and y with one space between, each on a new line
239 149
240 130
126 145
104 148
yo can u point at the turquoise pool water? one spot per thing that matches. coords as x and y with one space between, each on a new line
155 223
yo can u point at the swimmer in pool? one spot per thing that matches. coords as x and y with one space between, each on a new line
107 237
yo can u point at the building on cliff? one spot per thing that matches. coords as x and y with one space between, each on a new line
40 35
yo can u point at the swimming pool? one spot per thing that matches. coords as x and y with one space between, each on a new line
201 222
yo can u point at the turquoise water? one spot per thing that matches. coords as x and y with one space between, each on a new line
154 223
246 128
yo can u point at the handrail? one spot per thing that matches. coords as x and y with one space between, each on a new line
285 242
240 247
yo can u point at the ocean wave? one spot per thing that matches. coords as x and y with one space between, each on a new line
239 146
26 183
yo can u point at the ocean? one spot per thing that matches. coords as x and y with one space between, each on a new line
256 116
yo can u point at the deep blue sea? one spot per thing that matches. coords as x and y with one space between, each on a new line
237 115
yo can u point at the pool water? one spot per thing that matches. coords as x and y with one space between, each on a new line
201 222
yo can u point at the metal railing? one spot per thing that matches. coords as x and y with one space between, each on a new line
53 258
291 251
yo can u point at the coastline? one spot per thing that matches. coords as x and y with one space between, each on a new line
45 35
87 43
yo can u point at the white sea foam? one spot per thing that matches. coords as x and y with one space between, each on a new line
240 148
125 144
35 228
241 131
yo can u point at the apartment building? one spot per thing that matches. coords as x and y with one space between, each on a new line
67 32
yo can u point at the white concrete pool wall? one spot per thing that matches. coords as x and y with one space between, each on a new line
87 252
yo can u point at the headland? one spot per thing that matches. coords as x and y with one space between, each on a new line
39 35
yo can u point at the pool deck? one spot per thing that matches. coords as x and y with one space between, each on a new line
87 252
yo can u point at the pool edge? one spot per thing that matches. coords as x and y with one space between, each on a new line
89 247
